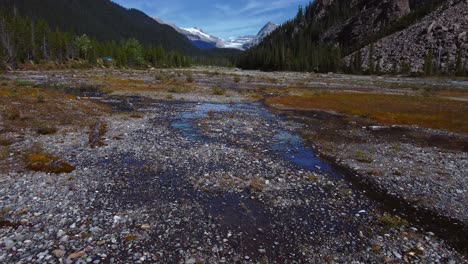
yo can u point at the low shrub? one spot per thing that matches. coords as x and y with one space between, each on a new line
47 163
40 98
4 153
218 90
12 114
24 83
190 78
44 129
6 142
257 184
363 157
391 221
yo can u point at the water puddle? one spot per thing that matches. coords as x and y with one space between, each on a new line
288 145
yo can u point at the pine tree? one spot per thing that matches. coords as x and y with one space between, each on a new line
357 67
83 45
134 52
429 64
378 69
459 71
371 62
42 31
6 39
405 67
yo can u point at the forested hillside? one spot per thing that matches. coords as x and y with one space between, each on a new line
23 39
326 31
101 19
26 36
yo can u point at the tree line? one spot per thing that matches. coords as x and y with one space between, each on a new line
300 44
23 39
296 45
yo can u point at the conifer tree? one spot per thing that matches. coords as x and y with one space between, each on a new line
459 71
371 63
429 64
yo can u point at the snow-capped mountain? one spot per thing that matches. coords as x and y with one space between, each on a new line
265 31
201 39
246 42
197 36
241 43
206 41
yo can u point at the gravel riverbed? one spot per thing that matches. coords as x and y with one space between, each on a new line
199 183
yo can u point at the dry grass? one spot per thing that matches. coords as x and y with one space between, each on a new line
163 84
130 238
429 112
45 129
453 94
22 109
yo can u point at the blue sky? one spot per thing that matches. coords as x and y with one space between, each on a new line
220 18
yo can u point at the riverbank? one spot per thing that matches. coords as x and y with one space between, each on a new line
181 181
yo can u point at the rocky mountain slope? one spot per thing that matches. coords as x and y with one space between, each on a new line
201 39
197 36
440 38
404 35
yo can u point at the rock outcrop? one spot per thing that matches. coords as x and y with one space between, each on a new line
444 32
372 17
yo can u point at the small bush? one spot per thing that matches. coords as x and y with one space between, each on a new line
363 157
390 221
47 163
4 153
257 184
12 113
6 142
40 98
24 83
211 114
137 115
190 78
44 129
163 77
176 89
218 90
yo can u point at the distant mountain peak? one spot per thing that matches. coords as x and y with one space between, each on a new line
203 40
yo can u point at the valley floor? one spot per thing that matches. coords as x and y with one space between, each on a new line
211 165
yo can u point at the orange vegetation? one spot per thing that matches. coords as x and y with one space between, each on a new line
429 112
47 163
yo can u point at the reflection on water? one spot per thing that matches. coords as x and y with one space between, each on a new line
286 144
